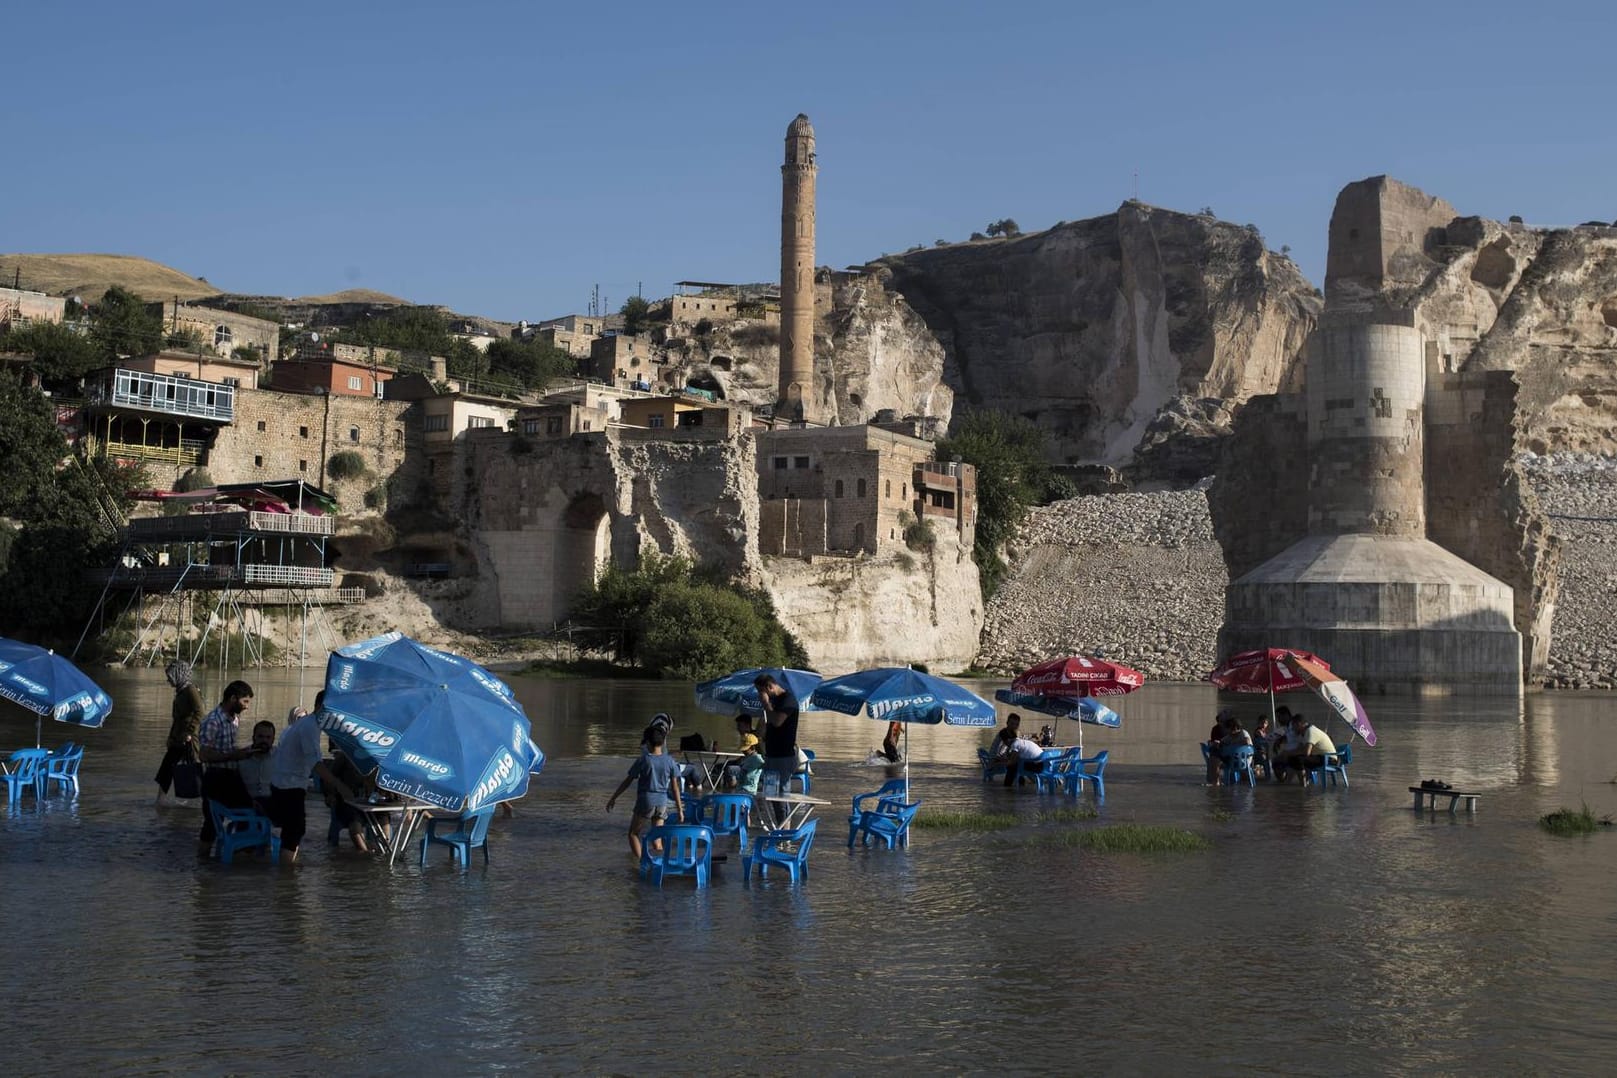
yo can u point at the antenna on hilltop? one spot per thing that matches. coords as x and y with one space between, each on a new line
1136 185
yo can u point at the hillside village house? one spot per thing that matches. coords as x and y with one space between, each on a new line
324 372
855 489
659 413
20 307
221 332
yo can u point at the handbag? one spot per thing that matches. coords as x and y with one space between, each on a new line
187 777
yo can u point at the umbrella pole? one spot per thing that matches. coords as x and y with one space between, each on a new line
906 763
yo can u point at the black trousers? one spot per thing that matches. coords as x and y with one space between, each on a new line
224 785
165 770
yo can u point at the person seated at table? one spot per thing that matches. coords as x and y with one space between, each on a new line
744 729
749 770
1263 742
1023 754
344 815
1000 748
1215 762
255 770
656 775
1281 741
1308 748
1234 736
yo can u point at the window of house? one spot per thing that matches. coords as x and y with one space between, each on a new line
432 467
553 425
889 491
355 382
261 426
398 438
222 337
476 421
780 462
530 426
303 465
258 462
839 488
800 462
655 420
903 491
588 424
436 422
861 488
303 432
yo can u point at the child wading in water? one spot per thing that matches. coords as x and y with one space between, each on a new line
658 790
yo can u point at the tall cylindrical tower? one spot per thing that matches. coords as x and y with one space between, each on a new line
1366 399
797 271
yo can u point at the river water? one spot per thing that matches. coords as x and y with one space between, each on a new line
1324 931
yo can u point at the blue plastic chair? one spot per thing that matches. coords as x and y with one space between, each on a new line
1058 764
727 814
990 765
687 850
242 829
62 768
25 769
892 788
691 806
888 821
462 834
1238 765
769 850
1335 766
1092 769
802 775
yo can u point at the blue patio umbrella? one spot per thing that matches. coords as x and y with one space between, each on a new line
899 694
1083 708
48 684
735 692
434 727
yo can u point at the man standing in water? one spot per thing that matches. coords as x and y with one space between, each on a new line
780 733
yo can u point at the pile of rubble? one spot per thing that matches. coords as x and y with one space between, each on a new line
1579 491
1135 577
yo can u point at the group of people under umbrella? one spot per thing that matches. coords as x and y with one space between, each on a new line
440 731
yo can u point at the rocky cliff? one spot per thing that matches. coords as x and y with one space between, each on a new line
872 354
1094 327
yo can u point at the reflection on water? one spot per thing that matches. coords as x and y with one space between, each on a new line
1360 935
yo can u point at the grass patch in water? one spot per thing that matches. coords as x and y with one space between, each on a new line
1569 822
965 821
1222 815
1130 838
1081 812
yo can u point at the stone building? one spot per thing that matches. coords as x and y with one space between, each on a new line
669 413
706 306
220 331
856 489
621 358
281 435
573 333
1402 584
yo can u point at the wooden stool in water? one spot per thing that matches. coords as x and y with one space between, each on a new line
1430 797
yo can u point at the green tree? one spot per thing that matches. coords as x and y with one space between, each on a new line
121 325
1009 453
636 313
528 363
63 506
60 354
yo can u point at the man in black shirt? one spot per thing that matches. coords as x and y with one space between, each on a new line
780 733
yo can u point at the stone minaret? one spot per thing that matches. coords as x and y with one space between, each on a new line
797 272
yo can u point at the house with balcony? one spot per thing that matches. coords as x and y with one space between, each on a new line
143 416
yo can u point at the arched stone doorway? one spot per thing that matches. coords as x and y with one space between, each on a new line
583 550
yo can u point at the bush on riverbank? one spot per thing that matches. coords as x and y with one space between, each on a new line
681 622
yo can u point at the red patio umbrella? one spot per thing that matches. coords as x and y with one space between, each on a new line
1267 670
1078 676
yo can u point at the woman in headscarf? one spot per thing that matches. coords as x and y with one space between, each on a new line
182 732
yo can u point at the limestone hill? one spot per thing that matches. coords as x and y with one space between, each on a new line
88 276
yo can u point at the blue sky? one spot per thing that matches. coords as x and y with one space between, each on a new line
503 158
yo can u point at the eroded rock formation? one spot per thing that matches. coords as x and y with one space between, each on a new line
1092 328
